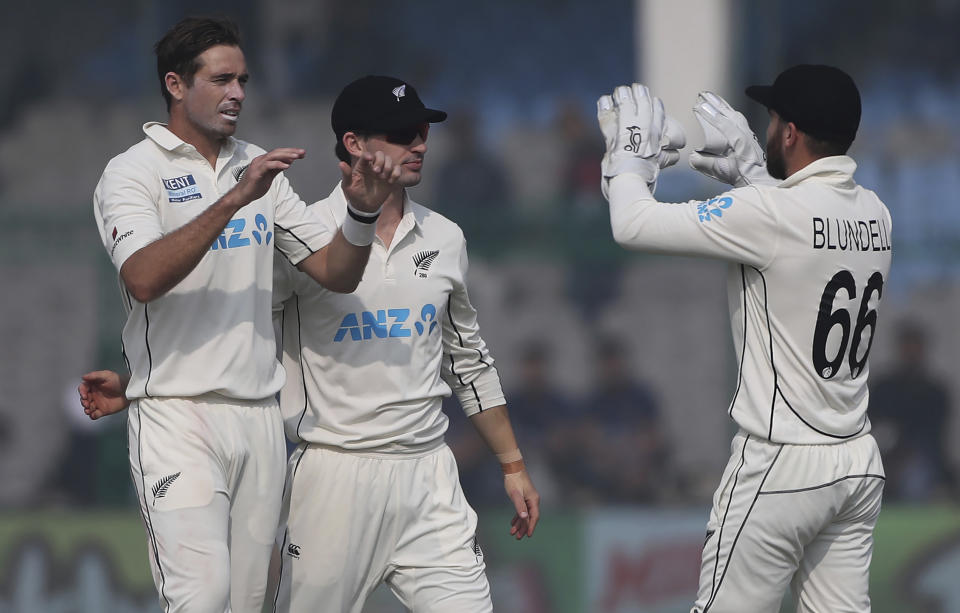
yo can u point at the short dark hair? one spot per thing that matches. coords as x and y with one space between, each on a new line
180 47
342 154
825 148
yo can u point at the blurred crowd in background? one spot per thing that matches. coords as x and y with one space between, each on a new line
618 366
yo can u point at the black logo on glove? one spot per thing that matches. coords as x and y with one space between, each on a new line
635 139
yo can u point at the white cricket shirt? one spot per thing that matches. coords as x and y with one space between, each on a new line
367 371
212 332
809 260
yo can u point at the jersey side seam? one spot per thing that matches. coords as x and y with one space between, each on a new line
146 340
293 234
863 424
773 366
452 362
743 348
303 376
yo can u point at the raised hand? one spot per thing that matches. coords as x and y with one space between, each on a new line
731 152
102 393
639 137
369 182
263 169
672 140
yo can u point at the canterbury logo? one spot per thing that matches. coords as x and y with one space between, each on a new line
399 92
424 259
238 172
635 139
160 487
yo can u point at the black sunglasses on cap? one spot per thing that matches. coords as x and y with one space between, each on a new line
405 136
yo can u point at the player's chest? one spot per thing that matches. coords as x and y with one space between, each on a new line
186 190
403 296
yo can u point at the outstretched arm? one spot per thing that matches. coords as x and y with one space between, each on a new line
367 184
495 429
156 268
103 392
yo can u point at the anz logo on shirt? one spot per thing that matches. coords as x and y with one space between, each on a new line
385 323
236 235
713 208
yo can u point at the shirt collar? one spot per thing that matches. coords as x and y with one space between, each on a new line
837 169
162 136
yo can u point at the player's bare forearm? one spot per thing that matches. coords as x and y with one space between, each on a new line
338 266
494 427
155 269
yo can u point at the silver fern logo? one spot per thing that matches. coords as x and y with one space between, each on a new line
399 92
160 487
476 549
422 261
238 172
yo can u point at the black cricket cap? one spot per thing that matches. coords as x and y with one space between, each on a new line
380 104
822 101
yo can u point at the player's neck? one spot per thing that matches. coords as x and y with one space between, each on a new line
390 216
206 145
799 159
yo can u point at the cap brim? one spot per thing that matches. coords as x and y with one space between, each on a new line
762 94
435 116
405 120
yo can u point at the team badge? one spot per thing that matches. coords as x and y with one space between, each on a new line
238 172
399 92
422 260
160 487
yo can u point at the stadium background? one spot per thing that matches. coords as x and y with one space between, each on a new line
626 470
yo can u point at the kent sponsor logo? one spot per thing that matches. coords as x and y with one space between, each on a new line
182 189
385 323
235 234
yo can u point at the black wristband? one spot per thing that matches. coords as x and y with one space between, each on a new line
361 218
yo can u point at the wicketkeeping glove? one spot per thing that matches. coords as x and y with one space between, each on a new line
731 152
640 138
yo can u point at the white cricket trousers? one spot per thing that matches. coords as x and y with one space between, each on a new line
354 521
209 475
801 515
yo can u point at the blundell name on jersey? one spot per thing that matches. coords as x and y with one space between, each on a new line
851 234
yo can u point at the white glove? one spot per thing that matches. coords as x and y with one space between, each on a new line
639 137
731 152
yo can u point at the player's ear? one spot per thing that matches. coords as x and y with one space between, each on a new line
353 144
791 135
175 85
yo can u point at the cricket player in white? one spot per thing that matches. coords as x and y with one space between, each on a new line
190 217
809 254
372 491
